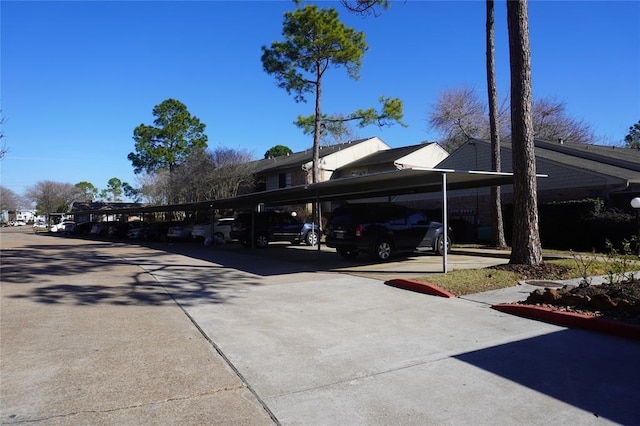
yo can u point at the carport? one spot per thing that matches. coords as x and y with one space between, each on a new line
397 182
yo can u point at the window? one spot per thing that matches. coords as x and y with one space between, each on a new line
417 218
284 180
260 185
397 216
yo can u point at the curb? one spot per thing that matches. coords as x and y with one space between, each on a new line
419 287
571 319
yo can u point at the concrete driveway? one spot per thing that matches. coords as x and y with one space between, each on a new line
100 332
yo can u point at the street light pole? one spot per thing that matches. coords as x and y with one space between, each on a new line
635 203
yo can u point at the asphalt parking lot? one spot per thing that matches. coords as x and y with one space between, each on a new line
107 332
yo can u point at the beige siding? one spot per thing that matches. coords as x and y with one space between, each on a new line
428 156
331 162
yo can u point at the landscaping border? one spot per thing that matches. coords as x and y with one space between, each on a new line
571 319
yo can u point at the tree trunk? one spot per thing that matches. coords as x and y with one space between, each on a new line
497 226
526 247
315 209
170 186
316 130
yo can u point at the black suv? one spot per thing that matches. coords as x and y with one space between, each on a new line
271 226
382 230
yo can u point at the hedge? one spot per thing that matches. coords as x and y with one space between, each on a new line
583 225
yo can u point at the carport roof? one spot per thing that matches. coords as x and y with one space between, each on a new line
397 182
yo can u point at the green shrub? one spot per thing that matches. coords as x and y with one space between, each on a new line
582 225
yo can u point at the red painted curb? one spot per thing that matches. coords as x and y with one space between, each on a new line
571 319
420 287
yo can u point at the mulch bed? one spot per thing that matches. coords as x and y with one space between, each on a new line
614 301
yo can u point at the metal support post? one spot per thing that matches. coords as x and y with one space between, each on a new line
445 225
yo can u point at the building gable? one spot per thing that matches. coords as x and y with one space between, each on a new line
296 168
421 156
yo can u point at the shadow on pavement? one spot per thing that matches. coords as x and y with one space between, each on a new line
84 275
280 259
289 259
61 266
587 370
38 262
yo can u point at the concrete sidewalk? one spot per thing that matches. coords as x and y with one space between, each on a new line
90 335
88 338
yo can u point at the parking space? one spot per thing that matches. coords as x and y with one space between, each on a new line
309 258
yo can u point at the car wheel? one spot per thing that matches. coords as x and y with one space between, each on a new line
262 241
218 236
347 253
311 239
440 246
382 250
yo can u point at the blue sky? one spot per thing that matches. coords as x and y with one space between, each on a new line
77 77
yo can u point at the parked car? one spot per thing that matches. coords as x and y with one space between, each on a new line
157 231
180 231
222 230
83 228
19 223
100 228
136 232
310 234
382 230
40 226
121 229
64 226
270 226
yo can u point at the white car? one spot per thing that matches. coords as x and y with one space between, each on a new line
65 226
19 223
40 226
180 231
221 233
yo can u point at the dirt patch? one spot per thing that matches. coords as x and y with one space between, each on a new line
544 271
